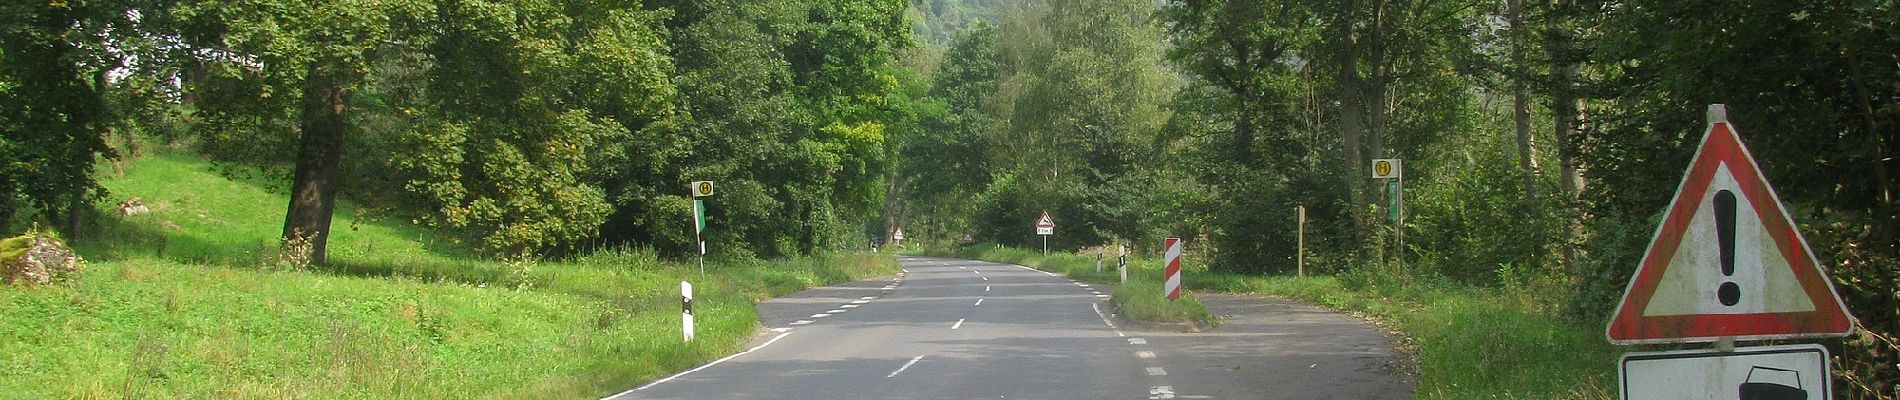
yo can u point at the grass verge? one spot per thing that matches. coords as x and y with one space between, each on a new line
185 302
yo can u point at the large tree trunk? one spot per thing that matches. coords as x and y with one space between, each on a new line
1352 122
1567 111
313 189
1521 98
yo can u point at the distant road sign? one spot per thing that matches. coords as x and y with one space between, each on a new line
1045 225
898 235
702 188
1726 260
1795 372
1387 168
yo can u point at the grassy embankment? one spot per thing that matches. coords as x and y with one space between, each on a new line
190 301
1469 342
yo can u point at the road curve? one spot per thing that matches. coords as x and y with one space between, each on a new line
960 329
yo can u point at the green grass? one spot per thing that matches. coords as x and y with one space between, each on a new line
398 315
1470 342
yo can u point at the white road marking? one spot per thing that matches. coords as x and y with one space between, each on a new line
781 330
1137 341
906 366
979 272
849 306
820 315
1160 392
978 302
867 298
1102 296
959 324
1156 371
963 267
860 301
1038 270
837 311
906 271
1145 354
986 278
710 364
1111 325
802 322
986 288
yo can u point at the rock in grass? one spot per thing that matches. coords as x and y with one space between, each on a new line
36 259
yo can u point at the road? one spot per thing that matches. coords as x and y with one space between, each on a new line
960 329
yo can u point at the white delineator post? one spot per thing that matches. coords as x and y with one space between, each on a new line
686 310
1172 286
1121 263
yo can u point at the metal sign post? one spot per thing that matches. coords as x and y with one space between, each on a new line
1394 169
1045 227
700 189
1726 264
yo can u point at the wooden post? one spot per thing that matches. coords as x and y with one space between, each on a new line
1301 256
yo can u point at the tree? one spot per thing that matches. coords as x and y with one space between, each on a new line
525 101
52 111
316 53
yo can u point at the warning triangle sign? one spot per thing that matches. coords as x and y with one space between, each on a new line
1727 260
1045 221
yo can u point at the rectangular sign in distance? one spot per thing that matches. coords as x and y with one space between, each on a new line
1793 372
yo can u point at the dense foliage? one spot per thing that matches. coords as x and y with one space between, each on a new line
1540 140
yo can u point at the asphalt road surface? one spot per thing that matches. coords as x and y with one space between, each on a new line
960 329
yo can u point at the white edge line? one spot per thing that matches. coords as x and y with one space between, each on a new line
1038 270
710 364
905 367
1111 325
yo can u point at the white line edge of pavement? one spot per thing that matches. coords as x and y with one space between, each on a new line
708 365
1111 325
1038 270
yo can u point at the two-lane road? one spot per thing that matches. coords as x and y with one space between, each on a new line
944 329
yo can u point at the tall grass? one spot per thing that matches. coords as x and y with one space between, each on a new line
182 303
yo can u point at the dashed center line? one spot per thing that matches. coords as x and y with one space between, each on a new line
1137 341
849 306
986 288
1145 354
867 298
860 301
820 315
959 324
978 302
906 366
986 278
837 311
1156 371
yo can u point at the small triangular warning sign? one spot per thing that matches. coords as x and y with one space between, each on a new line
1045 221
1727 260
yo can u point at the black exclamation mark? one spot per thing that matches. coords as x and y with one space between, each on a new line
1729 293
